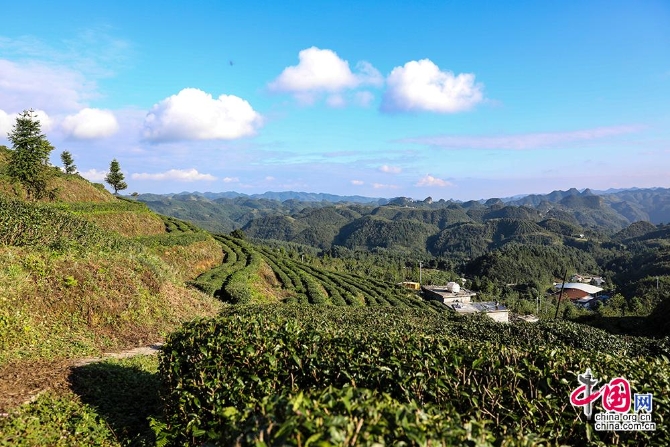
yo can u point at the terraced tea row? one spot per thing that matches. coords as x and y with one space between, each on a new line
297 282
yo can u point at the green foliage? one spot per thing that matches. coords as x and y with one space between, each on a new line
24 224
517 263
179 232
173 225
116 206
115 177
68 163
55 421
246 373
238 234
401 234
29 159
173 239
349 416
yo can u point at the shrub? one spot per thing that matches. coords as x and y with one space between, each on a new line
237 364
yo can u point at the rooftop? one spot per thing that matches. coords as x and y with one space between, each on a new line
479 307
588 288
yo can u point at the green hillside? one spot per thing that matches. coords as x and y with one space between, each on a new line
88 272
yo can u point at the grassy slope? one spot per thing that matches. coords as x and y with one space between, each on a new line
81 290
91 289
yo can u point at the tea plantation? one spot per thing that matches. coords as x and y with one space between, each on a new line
329 375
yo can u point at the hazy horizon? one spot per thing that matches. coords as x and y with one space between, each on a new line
581 190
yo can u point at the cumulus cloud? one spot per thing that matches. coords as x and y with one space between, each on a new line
46 122
390 169
180 175
422 86
93 175
193 114
90 124
323 71
523 141
231 179
429 180
357 182
7 121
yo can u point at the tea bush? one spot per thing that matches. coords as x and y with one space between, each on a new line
31 224
231 376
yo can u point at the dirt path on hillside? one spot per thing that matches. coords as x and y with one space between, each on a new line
23 381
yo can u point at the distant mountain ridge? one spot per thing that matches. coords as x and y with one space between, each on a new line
635 204
223 212
279 196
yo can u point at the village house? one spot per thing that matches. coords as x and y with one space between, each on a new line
460 301
449 294
577 291
492 310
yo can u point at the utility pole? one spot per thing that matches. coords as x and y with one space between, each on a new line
420 265
565 276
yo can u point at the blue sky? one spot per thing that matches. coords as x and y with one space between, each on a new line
461 100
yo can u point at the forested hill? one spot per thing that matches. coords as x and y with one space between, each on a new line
468 229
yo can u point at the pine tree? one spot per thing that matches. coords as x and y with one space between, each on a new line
115 177
29 159
68 163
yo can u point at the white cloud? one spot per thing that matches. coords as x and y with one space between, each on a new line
231 179
90 124
384 186
180 175
42 86
93 175
58 76
429 180
421 86
7 121
357 182
323 71
269 178
523 141
390 169
46 123
195 115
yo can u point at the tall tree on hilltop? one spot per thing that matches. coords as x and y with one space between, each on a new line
29 159
68 163
115 177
